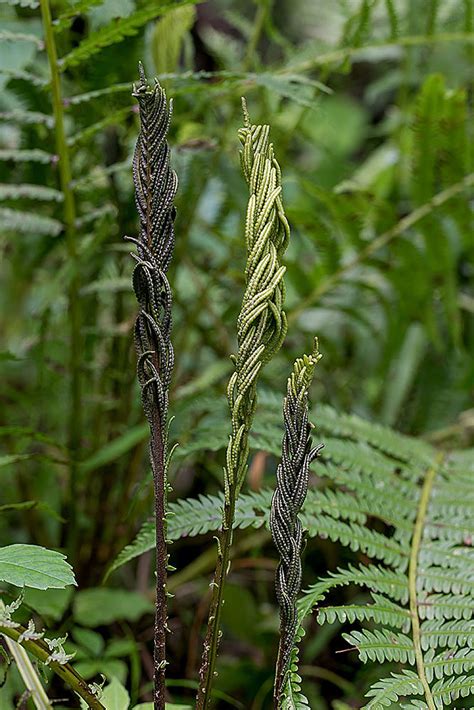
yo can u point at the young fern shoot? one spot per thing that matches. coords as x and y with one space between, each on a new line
261 329
155 190
290 493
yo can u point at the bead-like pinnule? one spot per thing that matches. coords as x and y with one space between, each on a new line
290 493
155 190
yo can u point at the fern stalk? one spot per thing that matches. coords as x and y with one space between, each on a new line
39 649
412 577
290 493
155 190
75 317
261 328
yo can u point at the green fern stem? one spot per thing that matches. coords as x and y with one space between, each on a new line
75 318
261 328
67 673
413 572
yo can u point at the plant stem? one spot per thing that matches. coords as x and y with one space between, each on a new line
66 672
258 25
29 675
261 329
339 55
74 312
412 576
211 642
405 223
157 457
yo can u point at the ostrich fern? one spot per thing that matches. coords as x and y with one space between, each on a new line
290 493
406 511
155 189
261 328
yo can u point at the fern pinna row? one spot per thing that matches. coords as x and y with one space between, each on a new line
409 509
155 190
406 514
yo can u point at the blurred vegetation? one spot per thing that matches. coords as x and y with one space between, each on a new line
370 104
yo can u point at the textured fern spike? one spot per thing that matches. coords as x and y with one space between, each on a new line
261 328
290 493
155 189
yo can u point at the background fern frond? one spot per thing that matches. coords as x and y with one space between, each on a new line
11 191
29 222
116 31
65 19
35 155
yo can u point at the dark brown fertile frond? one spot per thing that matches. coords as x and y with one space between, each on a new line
290 493
155 183
155 189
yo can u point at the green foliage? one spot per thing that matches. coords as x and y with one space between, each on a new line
116 31
29 222
432 552
98 607
34 566
371 116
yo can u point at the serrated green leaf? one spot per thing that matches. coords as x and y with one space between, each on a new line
115 696
34 566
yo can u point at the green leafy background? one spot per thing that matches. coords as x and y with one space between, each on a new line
371 119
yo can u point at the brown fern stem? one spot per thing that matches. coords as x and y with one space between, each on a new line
155 189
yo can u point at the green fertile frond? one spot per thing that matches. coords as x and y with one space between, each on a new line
28 223
116 31
10 191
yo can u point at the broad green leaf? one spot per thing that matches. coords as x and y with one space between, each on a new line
99 607
51 603
34 566
115 696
